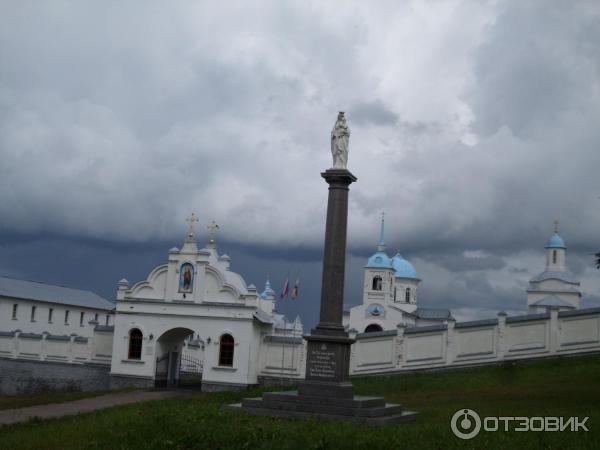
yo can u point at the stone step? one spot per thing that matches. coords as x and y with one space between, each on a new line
255 402
377 411
356 402
343 411
281 396
388 409
405 416
359 401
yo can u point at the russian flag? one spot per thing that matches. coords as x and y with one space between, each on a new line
286 288
296 290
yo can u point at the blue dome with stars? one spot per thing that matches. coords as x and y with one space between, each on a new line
555 242
403 268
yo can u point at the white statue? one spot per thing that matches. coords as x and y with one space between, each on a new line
340 137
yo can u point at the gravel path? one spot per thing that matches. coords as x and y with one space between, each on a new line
10 416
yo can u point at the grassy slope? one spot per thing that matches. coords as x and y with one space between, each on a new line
560 387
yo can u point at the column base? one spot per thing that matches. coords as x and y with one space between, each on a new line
327 392
291 404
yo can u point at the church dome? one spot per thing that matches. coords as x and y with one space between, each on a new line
380 260
555 242
403 268
268 292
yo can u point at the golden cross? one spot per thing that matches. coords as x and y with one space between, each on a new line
212 232
191 220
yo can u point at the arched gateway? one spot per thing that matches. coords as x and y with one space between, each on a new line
170 359
190 314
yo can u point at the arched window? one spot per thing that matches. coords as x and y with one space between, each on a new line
135 344
373 328
407 295
377 283
226 350
553 256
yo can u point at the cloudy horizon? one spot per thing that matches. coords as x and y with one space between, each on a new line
474 125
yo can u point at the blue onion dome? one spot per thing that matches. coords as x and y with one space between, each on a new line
555 242
380 260
403 268
268 292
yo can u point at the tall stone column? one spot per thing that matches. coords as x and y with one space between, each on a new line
328 349
334 254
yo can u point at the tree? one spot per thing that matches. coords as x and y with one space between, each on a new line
597 256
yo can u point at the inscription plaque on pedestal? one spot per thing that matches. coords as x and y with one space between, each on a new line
321 363
327 360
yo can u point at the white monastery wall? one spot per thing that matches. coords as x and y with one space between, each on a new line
282 357
455 344
478 342
72 349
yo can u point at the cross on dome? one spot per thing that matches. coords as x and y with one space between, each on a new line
381 245
555 240
212 233
192 220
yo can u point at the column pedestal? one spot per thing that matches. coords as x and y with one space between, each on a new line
327 367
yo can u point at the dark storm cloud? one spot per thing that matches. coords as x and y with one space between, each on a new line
465 262
473 297
477 283
98 265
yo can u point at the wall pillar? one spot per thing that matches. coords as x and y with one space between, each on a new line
43 346
451 341
501 336
15 349
553 329
401 328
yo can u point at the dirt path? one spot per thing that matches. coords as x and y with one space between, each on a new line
10 416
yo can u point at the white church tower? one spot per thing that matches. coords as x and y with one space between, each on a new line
379 274
555 287
390 293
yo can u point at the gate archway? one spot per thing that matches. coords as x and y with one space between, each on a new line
173 365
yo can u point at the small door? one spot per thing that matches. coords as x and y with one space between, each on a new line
173 369
162 370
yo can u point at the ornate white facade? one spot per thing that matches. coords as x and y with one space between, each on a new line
194 298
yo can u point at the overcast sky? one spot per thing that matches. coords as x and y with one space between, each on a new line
474 126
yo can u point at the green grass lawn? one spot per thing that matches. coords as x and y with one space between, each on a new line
22 401
558 387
